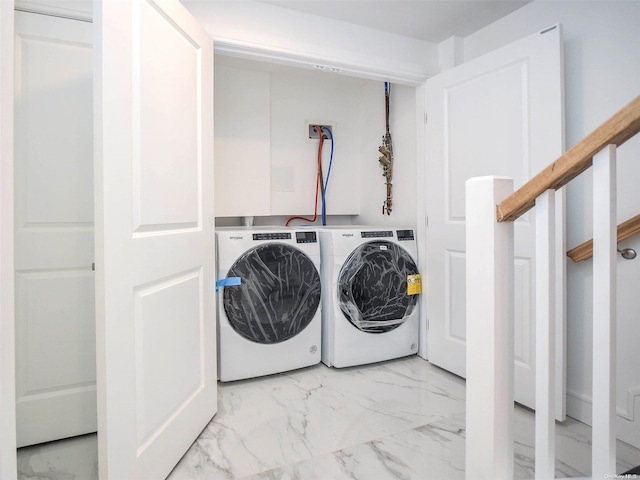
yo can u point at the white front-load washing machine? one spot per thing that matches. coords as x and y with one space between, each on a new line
370 294
269 312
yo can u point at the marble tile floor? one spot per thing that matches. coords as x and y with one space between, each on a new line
401 419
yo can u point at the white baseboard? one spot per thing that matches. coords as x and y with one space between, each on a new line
627 421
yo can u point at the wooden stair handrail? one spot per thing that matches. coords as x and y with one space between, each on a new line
616 130
626 229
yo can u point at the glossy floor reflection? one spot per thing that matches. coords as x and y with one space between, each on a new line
402 419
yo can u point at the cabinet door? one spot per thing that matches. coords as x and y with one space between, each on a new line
55 318
242 142
155 255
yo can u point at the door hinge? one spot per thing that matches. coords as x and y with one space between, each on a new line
93 267
426 221
546 30
426 118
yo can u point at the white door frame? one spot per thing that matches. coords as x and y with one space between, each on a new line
377 72
8 462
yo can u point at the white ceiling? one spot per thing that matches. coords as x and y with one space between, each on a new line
430 20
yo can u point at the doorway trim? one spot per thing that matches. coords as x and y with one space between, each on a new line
8 457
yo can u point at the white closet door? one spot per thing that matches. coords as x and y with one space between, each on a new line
155 251
499 114
54 283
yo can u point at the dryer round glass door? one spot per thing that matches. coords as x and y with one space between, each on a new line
278 296
372 286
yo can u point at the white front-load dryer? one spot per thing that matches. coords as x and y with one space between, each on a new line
370 294
269 312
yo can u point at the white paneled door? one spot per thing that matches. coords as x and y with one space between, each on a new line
53 192
154 235
499 114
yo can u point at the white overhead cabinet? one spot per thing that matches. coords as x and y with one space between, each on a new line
242 142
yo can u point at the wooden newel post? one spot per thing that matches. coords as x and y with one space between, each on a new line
490 327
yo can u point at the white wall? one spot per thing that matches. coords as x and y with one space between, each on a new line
402 125
315 97
602 74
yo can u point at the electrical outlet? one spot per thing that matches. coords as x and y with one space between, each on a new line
311 134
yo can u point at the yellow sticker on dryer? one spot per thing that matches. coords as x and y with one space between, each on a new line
414 284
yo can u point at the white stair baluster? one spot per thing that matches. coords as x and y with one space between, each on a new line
604 313
545 336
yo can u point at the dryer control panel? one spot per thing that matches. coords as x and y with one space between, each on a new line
306 237
405 235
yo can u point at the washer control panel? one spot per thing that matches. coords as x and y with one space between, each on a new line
272 236
378 234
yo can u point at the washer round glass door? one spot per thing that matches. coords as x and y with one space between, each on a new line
278 295
372 286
